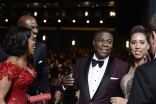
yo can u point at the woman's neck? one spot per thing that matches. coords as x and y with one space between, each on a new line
138 62
21 60
56 101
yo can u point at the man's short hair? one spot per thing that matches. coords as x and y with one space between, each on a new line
54 80
103 31
152 23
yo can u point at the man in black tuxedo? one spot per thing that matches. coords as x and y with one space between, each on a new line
144 83
3 56
39 60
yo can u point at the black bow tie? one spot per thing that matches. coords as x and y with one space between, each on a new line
94 62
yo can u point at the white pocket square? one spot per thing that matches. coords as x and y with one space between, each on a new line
40 62
114 78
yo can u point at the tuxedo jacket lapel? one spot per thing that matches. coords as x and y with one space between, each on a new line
34 57
34 62
85 77
31 60
106 77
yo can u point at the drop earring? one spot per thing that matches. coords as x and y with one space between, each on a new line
147 51
129 53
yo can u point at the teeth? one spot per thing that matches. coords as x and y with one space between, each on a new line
137 52
35 36
104 50
33 48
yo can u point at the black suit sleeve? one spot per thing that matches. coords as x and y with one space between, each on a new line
3 56
141 92
43 75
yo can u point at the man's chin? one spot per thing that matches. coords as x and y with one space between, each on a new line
102 56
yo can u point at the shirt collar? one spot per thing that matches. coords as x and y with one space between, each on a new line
155 56
94 57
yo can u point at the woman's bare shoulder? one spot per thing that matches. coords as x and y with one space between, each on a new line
12 59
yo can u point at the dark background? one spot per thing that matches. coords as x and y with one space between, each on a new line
59 36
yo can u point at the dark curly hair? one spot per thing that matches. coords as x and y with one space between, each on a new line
16 41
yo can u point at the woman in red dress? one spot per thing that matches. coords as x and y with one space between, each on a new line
16 73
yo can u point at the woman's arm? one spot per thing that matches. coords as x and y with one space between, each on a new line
27 96
4 88
118 100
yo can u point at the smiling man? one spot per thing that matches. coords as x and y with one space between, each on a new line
98 76
39 60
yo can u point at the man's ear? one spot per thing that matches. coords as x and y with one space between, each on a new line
93 42
154 36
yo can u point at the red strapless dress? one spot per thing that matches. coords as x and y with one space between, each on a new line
21 79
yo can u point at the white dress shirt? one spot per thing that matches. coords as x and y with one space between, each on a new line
95 75
155 56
